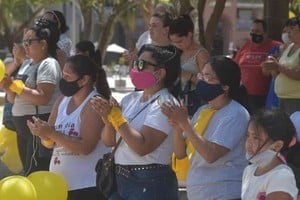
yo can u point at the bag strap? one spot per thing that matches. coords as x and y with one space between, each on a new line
120 139
35 78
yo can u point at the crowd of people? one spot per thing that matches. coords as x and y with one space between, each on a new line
209 111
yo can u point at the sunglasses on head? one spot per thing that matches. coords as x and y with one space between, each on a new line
27 42
140 64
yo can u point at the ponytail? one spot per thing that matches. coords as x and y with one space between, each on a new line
102 84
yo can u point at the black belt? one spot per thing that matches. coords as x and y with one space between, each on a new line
126 169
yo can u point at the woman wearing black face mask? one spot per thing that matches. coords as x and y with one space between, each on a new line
214 139
75 128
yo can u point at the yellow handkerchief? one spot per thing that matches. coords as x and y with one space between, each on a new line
200 126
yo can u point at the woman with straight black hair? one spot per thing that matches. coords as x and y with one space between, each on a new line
33 92
214 139
75 129
144 155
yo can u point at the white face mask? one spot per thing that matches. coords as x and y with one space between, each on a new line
261 159
285 38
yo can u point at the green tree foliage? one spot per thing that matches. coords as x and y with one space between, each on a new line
295 6
15 15
118 9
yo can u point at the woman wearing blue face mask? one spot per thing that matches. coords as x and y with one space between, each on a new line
214 139
271 138
143 157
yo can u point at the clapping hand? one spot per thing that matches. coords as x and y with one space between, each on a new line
176 114
40 128
103 106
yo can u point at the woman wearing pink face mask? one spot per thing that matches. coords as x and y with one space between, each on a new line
143 158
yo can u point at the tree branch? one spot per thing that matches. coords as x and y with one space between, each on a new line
212 24
107 33
200 8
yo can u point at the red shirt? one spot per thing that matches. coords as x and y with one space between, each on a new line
249 57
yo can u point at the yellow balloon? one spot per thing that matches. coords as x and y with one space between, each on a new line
2 70
9 150
49 185
17 187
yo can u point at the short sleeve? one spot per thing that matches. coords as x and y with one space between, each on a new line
282 181
229 131
157 120
49 72
295 117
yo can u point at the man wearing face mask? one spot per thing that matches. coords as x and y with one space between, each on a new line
249 57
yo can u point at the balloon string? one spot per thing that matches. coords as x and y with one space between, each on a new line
33 158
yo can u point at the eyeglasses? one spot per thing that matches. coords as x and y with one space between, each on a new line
207 77
27 42
140 64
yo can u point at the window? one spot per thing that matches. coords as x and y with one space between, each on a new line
244 19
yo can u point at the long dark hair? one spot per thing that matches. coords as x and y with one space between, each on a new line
228 72
84 65
44 31
181 26
169 59
59 19
278 126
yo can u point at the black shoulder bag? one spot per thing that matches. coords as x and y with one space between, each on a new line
105 167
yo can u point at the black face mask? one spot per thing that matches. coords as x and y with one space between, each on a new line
208 92
256 38
68 88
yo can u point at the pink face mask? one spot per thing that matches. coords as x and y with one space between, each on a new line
142 80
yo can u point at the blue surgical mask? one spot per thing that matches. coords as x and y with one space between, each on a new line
207 91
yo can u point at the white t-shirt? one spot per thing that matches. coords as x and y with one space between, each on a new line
65 44
221 179
151 116
279 179
143 39
77 170
295 117
48 71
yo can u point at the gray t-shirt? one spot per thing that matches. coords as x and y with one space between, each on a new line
48 71
221 179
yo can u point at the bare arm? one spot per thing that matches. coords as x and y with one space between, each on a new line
291 73
143 142
273 65
208 150
279 196
109 135
179 145
90 132
202 58
103 108
39 96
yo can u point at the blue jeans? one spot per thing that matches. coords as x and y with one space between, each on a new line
150 184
